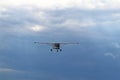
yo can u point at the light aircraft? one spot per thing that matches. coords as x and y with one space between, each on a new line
55 46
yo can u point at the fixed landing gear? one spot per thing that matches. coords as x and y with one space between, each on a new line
60 50
51 50
56 50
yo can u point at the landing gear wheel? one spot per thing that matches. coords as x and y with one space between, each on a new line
51 50
60 49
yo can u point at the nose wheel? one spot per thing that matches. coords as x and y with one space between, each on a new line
60 50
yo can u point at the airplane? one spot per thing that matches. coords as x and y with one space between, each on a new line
55 46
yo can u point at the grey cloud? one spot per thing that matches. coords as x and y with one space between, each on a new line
86 61
18 18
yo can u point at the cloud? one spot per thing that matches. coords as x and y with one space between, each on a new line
116 45
2 9
27 30
21 21
62 4
30 20
37 28
71 23
6 70
111 55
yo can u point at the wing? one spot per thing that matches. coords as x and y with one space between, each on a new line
44 43
69 43
41 43
55 43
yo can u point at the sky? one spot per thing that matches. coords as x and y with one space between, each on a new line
92 23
